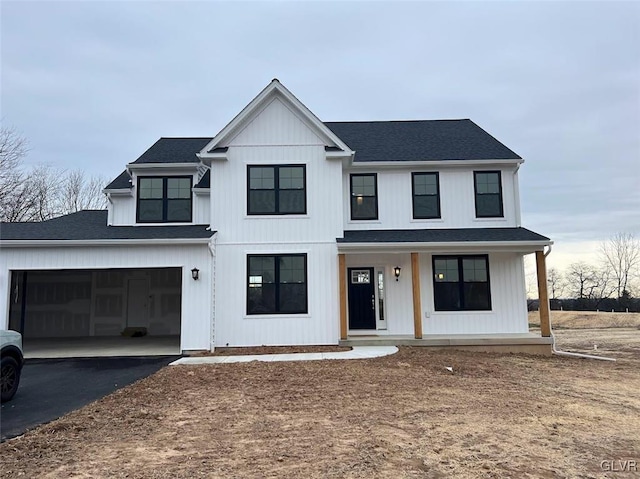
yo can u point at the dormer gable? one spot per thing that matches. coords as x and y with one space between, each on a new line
274 117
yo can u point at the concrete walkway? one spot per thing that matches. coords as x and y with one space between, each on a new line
358 352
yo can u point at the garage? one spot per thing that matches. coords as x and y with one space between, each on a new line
116 312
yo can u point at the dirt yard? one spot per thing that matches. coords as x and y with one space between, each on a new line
400 416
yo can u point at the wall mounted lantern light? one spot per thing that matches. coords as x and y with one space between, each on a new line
195 273
396 272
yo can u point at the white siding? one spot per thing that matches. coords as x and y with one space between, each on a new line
457 200
196 296
123 208
235 328
508 301
276 124
323 220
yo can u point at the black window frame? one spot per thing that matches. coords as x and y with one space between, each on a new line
352 198
276 280
461 281
476 194
276 189
165 198
413 194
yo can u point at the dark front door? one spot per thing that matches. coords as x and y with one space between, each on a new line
362 301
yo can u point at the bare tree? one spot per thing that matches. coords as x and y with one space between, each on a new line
41 192
79 192
621 255
13 149
588 282
556 283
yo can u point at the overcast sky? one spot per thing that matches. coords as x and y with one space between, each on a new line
92 85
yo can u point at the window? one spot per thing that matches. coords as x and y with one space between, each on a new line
277 284
488 188
461 283
164 199
426 195
276 190
364 197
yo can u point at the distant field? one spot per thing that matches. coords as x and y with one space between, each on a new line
588 320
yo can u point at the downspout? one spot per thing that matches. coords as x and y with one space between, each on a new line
212 251
567 353
516 193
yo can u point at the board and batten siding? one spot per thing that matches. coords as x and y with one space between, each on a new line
322 221
195 310
508 301
457 199
235 328
122 208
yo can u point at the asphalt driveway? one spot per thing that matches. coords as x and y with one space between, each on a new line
51 388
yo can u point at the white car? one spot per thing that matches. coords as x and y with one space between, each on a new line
12 361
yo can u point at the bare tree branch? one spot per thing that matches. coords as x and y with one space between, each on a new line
621 255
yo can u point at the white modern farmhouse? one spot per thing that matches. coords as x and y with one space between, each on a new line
284 230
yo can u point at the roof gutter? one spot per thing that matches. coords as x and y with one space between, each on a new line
101 242
438 163
440 246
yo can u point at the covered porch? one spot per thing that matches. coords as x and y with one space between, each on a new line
441 288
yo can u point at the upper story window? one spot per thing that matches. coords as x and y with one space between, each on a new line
364 196
461 283
488 189
164 199
426 195
276 190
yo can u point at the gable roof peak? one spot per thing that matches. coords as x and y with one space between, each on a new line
272 89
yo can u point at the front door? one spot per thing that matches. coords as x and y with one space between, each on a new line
362 300
138 303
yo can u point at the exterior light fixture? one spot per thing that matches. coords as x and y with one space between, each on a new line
440 276
195 273
396 272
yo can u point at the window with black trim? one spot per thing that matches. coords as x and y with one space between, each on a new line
364 196
276 190
426 195
164 199
277 284
488 191
461 283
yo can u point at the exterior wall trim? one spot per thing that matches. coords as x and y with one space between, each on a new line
101 242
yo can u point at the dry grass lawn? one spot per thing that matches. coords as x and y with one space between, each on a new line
400 416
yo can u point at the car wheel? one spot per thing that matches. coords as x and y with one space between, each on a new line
10 372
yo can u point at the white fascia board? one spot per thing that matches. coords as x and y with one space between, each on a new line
430 163
339 155
162 166
207 158
118 192
101 242
275 87
201 191
494 246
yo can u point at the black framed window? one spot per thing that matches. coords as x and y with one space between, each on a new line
364 196
164 199
276 190
426 195
488 192
461 283
277 284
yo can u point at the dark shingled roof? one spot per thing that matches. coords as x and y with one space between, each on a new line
420 140
441 235
174 150
92 225
205 181
123 181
